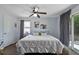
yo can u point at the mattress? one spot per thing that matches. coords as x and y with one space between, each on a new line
39 44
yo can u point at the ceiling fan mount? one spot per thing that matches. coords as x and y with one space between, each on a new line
36 12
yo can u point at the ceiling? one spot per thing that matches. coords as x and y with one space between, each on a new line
24 10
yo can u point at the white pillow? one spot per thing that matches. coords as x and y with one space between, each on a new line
35 33
44 33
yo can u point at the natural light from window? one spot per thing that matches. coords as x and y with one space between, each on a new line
26 27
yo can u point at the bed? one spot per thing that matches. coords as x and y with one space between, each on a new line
39 44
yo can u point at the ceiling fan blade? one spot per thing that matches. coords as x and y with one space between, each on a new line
41 12
31 15
38 16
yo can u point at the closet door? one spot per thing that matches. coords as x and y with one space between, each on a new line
7 31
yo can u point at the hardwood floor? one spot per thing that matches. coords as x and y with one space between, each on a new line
11 50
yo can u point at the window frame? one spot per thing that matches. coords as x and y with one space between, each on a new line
27 27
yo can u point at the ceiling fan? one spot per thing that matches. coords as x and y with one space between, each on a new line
36 13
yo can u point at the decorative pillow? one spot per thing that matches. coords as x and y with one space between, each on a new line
43 33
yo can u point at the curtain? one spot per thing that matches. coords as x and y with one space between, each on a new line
64 27
21 29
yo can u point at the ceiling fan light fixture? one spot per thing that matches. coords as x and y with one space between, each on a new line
35 15
36 9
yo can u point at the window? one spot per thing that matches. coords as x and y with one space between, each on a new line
26 27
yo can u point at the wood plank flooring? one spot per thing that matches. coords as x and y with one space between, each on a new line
11 50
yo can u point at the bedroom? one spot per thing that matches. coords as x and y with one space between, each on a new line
15 17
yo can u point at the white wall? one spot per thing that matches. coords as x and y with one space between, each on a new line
75 9
53 25
10 33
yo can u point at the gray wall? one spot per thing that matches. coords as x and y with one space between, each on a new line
53 25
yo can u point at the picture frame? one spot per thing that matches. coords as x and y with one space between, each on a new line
43 26
36 24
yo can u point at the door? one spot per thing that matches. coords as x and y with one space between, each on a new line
8 36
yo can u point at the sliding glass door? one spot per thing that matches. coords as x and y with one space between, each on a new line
76 32
74 35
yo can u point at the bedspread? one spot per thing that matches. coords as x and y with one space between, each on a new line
39 44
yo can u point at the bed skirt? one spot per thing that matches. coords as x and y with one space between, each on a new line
40 54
